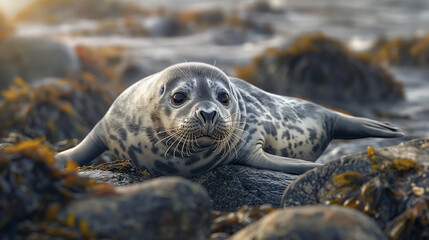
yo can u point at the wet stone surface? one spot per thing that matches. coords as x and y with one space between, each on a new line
312 222
164 208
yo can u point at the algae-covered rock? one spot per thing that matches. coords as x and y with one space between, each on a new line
312 222
391 185
33 190
35 59
323 70
54 11
163 208
402 51
58 110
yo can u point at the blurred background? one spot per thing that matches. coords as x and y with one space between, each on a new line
63 62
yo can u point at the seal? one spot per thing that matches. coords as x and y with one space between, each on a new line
191 117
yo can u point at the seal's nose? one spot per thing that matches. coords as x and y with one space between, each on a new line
208 117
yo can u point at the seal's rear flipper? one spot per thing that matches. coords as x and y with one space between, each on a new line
87 150
347 127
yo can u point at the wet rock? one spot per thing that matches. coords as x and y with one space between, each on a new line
164 208
323 70
35 59
166 26
312 222
390 184
53 12
229 187
233 186
263 6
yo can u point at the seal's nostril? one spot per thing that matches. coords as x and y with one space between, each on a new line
202 116
207 116
213 116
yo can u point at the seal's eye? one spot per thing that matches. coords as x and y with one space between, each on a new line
223 98
178 98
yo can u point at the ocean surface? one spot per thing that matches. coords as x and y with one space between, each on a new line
356 23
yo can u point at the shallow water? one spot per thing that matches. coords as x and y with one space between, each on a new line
357 23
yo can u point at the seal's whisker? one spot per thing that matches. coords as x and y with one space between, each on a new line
238 129
183 144
238 137
170 130
180 138
166 151
168 138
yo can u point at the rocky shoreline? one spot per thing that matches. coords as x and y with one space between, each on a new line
210 206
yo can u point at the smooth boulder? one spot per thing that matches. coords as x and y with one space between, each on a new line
164 208
312 222
35 59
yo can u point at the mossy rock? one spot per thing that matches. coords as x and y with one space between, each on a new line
412 52
55 11
323 70
391 185
58 110
33 190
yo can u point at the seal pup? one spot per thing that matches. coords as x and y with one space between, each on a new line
192 117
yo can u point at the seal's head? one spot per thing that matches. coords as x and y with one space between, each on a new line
200 109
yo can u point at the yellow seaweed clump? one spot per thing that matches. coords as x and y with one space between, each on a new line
393 193
121 166
33 191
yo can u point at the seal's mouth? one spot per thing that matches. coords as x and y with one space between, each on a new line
205 141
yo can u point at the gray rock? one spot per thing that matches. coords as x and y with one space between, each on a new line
312 222
35 59
229 187
164 208
233 186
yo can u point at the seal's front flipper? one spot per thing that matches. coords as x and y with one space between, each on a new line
90 148
347 127
264 160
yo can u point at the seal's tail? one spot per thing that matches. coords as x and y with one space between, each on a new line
348 127
90 148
